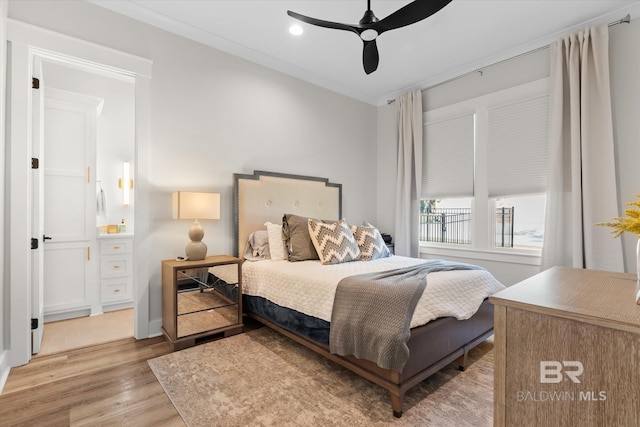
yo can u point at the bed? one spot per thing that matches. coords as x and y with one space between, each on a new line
302 309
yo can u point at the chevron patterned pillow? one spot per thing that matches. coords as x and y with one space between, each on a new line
370 242
334 243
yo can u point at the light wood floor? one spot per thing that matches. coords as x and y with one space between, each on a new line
105 384
108 384
81 332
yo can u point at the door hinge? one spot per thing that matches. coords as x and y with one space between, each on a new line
34 243
35 83
34 324
35 163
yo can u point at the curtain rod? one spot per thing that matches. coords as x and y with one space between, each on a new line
625 20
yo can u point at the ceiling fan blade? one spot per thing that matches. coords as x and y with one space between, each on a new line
321 23
370 57
413 12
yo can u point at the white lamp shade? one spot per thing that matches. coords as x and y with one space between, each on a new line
192 205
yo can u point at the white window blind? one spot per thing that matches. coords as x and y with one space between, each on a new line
517 147
447 162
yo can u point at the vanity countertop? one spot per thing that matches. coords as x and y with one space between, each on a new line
115 236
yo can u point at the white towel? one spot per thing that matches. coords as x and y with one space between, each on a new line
101 204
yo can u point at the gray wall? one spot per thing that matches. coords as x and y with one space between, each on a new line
213 114
625 93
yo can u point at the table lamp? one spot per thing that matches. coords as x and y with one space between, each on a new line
196 206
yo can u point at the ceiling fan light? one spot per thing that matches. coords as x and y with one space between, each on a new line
368 35
296 30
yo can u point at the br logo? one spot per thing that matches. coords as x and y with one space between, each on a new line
553 372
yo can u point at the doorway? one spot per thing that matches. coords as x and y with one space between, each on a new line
88 128
27 42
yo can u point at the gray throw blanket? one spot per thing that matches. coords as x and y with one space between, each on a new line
372 312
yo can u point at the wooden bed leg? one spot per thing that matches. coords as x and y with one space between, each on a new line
396 404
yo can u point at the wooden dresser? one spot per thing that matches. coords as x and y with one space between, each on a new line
567 350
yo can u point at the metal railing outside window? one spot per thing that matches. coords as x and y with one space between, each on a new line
446 225
504 227
453 225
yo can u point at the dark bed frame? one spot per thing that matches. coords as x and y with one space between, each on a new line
431 346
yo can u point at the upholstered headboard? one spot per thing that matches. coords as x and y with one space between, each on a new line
267 196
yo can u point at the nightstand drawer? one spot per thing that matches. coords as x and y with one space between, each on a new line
115 266
113 290
116 247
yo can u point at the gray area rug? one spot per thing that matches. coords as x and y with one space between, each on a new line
261 378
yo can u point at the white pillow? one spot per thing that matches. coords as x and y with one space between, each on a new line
276 247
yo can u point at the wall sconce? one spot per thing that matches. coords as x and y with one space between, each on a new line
188 205
126 183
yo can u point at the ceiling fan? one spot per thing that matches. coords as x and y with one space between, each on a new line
370 27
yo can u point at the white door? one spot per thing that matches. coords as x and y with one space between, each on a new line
70 272
37 202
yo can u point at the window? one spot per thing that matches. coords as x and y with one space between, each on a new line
447 157
520 221
446 221
484 170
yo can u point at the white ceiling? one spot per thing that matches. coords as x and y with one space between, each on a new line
464 36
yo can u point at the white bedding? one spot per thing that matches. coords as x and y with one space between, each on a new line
309 287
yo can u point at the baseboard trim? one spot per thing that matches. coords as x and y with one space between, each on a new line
4 368
155 328
65 315
117 306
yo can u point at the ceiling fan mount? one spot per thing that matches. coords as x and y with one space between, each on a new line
369 17
369 28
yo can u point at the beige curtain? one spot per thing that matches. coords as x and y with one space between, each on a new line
409 174
582 183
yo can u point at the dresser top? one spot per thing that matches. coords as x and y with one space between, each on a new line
598 297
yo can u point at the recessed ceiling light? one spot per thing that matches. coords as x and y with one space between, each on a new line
296 30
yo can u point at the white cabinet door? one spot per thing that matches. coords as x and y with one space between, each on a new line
65 276
70 270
